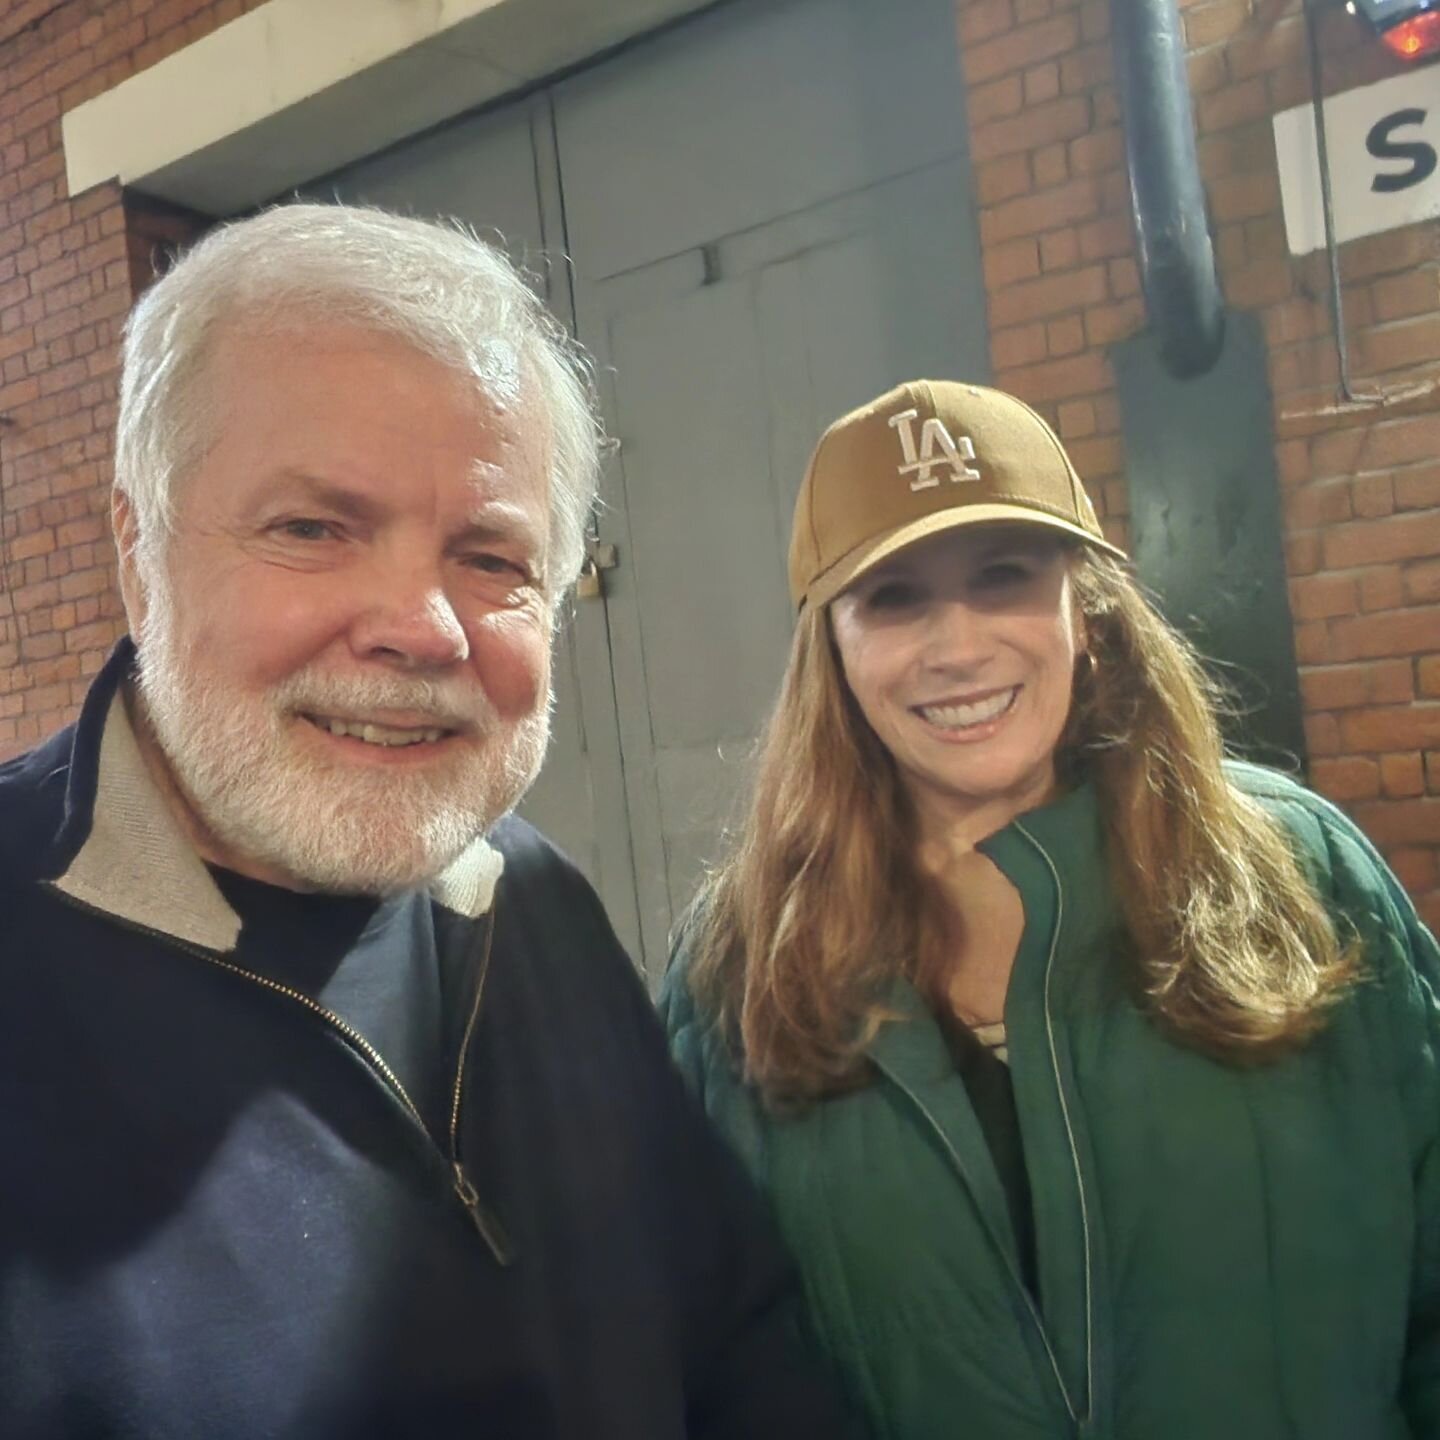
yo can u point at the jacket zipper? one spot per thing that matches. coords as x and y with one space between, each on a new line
483 1218
489 1228
1030 1307
1069 1133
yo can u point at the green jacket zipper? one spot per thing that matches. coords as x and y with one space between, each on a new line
484 1220
1044 854
1031 1309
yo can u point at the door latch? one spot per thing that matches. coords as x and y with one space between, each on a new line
600 556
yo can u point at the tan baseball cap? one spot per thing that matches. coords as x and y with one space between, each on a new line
928 456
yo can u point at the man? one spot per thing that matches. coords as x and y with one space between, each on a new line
329 1104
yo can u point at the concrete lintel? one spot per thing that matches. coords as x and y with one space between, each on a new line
300 87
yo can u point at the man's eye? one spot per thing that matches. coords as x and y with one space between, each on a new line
306 529
489 563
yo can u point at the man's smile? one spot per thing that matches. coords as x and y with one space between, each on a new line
375 733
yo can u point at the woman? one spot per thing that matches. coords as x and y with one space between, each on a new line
1093 1078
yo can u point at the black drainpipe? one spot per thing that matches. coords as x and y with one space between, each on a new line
1177 262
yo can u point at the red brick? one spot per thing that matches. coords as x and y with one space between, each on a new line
1003 180
1377 445
1060 120
1374 496
1401 345
1097 151
1065 336
982 19
1421 582
1017 345
1060 379
1260 282
1381 588
1207 71
1236 105
1050 165
1087 69
1395 537
1398 297
999 98
1060 249
1006 264
1106 238
1209 24
1389 252
1269 46
1317 597
1415 868
1022 47
1076 419
1376 731
1418 488
1345 687
1050 295
1317 505
1322 735
1398 632
1243 196
1401 822
1105 324
1094 20
1124 278
1346 778
1402 776
1042 83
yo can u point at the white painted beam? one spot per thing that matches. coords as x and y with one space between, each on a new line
300 87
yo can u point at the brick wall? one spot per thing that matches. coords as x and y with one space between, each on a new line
69 268
1361 489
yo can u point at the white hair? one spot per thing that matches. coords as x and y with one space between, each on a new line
435 285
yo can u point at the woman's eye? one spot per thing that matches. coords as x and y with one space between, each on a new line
893 595
1003 572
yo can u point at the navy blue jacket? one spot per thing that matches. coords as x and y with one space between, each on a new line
220 1218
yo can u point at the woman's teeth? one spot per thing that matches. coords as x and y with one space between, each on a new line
963 717
376 734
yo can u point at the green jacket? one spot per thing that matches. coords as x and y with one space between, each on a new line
1224 1253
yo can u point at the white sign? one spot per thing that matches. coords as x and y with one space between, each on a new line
1384 143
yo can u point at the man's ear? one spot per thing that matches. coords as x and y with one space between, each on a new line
126 525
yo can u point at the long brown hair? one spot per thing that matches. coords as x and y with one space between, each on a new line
819 903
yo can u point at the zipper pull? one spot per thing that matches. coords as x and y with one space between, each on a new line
484 1220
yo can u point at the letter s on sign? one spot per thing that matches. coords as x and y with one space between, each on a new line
1422 156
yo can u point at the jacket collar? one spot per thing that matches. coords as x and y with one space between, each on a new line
1064 838
132 860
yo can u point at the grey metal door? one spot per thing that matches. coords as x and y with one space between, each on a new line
770 215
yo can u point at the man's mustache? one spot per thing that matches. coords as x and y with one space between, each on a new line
446 704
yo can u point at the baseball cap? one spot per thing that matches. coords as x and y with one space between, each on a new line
928 456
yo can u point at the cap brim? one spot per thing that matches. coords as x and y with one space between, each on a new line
851 566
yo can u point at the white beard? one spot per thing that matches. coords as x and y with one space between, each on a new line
327 824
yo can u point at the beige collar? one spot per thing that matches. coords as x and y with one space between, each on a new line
138 865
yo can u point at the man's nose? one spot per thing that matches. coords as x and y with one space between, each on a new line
410 622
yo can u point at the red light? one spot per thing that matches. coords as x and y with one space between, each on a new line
1415 38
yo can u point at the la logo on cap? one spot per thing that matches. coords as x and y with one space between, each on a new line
934 437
